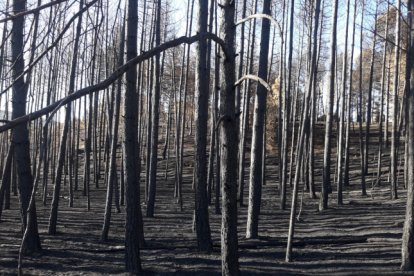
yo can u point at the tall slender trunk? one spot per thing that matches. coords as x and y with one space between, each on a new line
65 131
294 109
313 111
381 120
394 154
281 111
328 124
246 113
217 82
114 142
228 145
255 185
201 117
131 153
239 106
213 116
342 119
304 125
184 109
360 119
369 100
89 132
407 251
155 119
348 109
20 134
287 109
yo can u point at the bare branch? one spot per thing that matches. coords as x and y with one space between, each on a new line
255 78
12 17
108 81
261 15
392 42
30 66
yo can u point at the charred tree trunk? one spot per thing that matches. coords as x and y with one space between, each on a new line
201 118
228 145
381 121
342 119
114 142
326 185
64 137
131 153
304 125
360 119
155 117
255 186
246 114
408 231
20 134
369 99
394 153
348 109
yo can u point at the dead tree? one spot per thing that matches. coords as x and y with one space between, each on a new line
255 185
155 119
326 184
131 154
407 251
114 142
369 99
349 100
66 125
394 154
20 134
342 119
383 89
360 119
228 145
304 124
246 112
201 117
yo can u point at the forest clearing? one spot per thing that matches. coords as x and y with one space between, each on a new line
205 137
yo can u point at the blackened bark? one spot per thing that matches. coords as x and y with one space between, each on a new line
131 154
228 145
155 118
394 154
326 184
408 231
255 189
20 134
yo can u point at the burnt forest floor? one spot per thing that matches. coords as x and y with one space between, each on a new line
361 237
